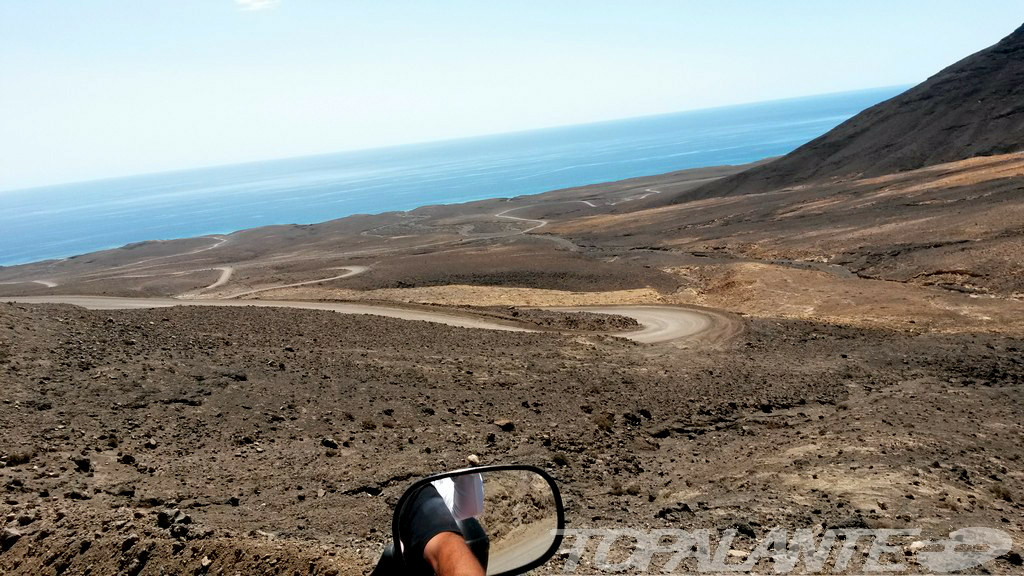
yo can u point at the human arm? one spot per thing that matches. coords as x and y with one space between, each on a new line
431 535
448 555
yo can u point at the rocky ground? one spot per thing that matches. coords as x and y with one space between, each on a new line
877 381
270 441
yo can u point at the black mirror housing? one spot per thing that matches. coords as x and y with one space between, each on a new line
523 518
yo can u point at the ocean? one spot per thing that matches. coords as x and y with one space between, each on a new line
60 221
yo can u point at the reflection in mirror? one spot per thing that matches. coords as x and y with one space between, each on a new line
519 517
508 518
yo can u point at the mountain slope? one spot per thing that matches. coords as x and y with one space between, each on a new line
972 108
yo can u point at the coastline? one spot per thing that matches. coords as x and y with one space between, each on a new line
46 223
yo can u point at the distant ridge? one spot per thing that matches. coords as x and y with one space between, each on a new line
972 108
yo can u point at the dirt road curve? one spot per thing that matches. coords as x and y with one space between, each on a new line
666 323
349 272
660 323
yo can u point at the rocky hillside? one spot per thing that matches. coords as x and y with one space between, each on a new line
972 108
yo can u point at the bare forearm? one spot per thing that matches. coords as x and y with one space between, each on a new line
448 554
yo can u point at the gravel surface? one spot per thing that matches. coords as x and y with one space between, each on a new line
272 441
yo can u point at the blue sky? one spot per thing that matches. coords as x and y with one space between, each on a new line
102 88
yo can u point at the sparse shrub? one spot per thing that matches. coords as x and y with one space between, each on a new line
605 421
18 458
617 489
1001 491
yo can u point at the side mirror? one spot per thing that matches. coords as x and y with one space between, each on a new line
510 516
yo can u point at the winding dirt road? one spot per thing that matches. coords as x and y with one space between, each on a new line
350 271
659 323
667 323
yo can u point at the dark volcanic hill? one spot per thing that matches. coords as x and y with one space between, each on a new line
972 108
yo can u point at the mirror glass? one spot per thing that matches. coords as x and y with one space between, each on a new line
520 518
509 518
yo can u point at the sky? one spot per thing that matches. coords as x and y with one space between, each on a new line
93 89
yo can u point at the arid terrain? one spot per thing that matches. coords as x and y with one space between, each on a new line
848 354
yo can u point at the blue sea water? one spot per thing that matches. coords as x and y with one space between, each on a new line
60 221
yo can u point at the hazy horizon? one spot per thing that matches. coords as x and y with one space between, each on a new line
114 88
456 139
